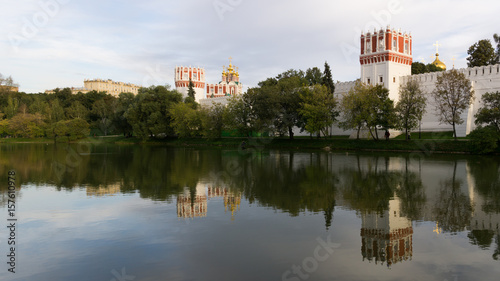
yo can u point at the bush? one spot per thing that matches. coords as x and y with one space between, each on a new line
484 140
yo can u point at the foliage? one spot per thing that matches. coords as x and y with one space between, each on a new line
186 121
419 68
149 112
26 125
328 80
353 108
368 106
314 76
481 53
490 112
239 116
317 109
484 140
76 110
103 110
191 93
212 121
410 107
453 94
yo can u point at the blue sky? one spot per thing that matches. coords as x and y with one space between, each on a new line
58 43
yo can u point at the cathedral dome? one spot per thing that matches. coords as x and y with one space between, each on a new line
439 63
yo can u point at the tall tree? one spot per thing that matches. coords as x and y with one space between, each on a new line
411 106
481 53
353 108
490 112
314 76
453 94
496 38
191 92
328 80
317 109
381 109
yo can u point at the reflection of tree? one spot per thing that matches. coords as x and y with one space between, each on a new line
485 171
278 181
370 189
453 208
412 194
481 238
496 253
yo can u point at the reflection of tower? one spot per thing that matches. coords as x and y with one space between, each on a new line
387 237
192 205
103 190
232 200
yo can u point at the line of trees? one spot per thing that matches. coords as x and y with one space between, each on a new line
277 106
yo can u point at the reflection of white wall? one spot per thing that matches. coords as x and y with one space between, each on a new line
480 219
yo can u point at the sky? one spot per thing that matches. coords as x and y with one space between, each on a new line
46 44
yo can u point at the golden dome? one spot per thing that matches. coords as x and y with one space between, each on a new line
439 63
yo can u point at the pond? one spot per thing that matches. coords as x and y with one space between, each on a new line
120 212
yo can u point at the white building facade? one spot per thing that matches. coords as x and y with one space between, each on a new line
386 58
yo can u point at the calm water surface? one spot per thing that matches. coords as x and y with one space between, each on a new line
156 213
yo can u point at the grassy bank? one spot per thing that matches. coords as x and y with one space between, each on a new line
437 145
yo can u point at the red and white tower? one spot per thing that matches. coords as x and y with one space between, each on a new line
196 75
386 55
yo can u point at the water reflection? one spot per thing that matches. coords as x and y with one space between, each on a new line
387 237
390 195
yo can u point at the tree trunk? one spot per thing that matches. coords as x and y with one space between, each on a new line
454 131
357 136
371 133
290 132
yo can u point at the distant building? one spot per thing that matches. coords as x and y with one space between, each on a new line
229 85
9 88
194 74
109 86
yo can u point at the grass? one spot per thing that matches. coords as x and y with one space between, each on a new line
430 136
430 142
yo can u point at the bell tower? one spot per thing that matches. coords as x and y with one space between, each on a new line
386 55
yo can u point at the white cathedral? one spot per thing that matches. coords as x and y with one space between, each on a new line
386 58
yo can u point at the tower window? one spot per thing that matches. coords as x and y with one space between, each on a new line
395 44
393 79
381 79
368 81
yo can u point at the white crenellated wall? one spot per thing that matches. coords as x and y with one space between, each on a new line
484 79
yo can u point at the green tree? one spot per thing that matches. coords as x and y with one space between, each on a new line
419 68
186 121
148 115
212 121
353 108
76 110
191 92
120 120
27 125
328 80
484 140
489 113
314 76
381 109
481 53
238 115
102 109
410 107
56 111
496 38
453 94
317 108
11 108
288 101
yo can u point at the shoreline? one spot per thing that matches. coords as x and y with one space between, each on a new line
426 146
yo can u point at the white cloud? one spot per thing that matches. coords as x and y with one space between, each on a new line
121 40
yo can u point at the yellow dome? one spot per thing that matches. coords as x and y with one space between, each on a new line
439 63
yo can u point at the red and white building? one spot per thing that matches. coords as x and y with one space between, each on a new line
386 55
228 86
195 74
